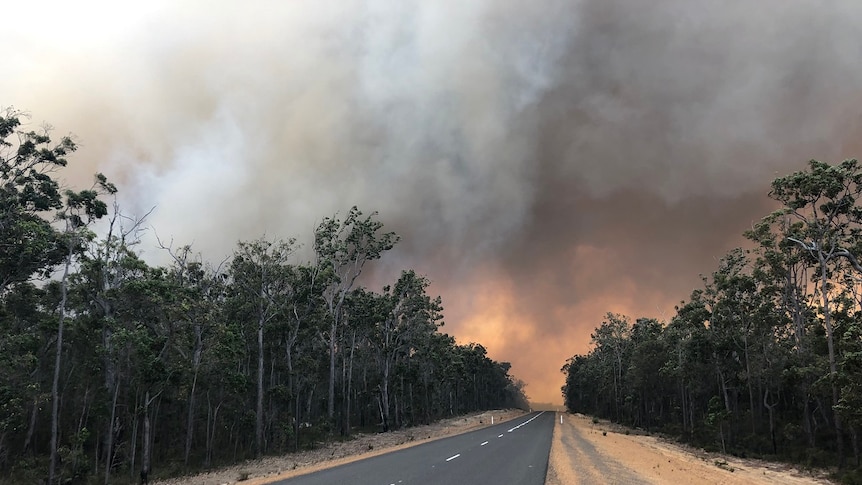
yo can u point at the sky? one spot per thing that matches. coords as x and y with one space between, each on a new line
544 162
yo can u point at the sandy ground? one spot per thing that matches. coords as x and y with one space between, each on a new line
270 469
582 454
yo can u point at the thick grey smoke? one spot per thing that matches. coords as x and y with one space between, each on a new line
544 161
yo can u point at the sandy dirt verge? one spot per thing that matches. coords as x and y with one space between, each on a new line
581 453
270 469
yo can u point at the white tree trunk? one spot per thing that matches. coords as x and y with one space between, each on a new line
55 384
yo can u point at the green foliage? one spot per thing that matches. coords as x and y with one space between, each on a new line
766 358
29 245
185 367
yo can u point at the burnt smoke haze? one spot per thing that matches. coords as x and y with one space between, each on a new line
544 162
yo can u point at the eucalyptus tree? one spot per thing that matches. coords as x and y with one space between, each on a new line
199 290
29 198
262 291
405 316
342 249
850 380
303 319
775 334
648 356
364 312
611 340
782 268
106 265
433 360
28 327
151 363
823 200
688 360
80 210
735 302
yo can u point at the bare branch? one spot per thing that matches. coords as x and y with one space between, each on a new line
853 261
806 246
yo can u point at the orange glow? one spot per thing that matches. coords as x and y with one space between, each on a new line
528 324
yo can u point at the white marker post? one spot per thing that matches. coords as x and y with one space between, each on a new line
561 419
492 419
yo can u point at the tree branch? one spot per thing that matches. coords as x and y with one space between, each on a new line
853 261
806 246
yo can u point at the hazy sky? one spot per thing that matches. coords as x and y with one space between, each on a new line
544 162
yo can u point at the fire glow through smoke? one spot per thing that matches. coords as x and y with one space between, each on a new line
544 162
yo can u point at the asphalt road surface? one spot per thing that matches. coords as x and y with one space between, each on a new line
514 452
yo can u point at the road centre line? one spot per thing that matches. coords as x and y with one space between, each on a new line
527 421
500 436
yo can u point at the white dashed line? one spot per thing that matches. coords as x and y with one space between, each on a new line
499 436
527 421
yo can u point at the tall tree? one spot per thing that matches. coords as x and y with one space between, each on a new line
263 292
823 199
611 340
81 209
342 249
407 315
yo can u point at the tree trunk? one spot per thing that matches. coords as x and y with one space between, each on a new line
134 445
771 408
190 419
384 396
684 406
55 383
349 386
748 379
806 419
109 439
724 392
212 420
209 438
793 302
196 362
258 429
111 384
296 421
330 405
833 371
32 428
145 458
691 411
855 439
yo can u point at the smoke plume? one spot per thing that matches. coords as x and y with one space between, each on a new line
544 162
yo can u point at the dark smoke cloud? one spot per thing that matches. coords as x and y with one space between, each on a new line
544 162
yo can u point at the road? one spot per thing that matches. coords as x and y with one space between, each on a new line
513 452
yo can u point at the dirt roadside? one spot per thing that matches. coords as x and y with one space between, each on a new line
270 469
581 453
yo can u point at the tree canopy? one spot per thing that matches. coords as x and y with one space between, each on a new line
764 359
110 366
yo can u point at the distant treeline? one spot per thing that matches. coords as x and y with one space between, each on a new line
111 367
766 358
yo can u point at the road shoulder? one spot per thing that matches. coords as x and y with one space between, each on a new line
586 452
